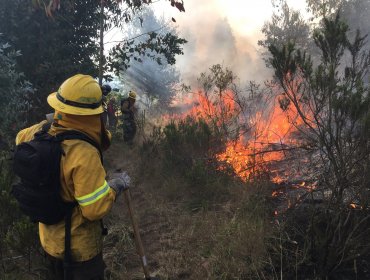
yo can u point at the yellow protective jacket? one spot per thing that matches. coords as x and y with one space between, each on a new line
83 180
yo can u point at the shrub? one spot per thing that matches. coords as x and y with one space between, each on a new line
17 234
185 159
321 243
18 237
13 87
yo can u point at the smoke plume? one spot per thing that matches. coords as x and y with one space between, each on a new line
213 40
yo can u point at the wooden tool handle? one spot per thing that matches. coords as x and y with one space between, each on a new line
139 244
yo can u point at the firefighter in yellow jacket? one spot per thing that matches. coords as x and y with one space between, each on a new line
78 107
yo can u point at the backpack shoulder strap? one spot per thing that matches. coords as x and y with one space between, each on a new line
73 134
46 127
43 133
69 135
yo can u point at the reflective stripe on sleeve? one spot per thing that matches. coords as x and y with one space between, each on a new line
94 196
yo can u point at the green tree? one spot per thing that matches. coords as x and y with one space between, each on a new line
52 5
155 45
285 25
52 49
324 8
118 13
288 25
145 42
13 106
355 12
156 80
13 90
57 47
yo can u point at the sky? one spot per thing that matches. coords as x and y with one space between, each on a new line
222 32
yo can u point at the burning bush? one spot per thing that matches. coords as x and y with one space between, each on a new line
255 129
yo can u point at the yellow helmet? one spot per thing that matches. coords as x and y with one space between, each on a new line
78 95
132 94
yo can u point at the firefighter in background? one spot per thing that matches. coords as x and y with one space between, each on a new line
128 115
112 118
106 89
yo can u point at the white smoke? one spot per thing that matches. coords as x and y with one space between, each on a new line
216 38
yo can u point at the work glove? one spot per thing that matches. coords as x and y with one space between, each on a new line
119 182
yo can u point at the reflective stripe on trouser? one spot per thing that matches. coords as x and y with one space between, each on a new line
94 196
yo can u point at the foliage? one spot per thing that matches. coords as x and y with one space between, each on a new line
334 107
53 5
56 48
17 234
355 13
118 14
221 103
155 82
185 152
186 145
13 89
286 25
322 244
332 99
155 47
220 224
51 48
218 79
324 8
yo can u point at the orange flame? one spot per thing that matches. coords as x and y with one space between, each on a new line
266 141
201 106
267 144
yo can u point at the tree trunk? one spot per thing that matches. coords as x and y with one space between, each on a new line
101 56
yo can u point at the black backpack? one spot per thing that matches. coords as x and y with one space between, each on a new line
37 164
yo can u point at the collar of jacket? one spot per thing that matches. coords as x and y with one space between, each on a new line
90 125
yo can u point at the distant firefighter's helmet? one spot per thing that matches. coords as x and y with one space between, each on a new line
106 89
132 94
